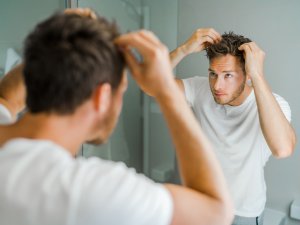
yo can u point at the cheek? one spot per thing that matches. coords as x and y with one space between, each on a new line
211 82
236 82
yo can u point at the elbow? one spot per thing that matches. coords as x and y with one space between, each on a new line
283 152
229 214
285 149
225 212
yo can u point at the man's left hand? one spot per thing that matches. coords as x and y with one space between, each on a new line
254 59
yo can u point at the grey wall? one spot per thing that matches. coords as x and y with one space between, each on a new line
163 22
275 26
18 18
125 144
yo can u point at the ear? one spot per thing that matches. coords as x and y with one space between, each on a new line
248 81
102 98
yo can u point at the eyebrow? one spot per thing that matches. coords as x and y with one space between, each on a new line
225 71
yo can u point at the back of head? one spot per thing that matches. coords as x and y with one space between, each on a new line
228 45
66 57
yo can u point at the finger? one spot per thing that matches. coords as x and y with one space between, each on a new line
254 46
210 32
131 61
138 42
213 39
245 47
216 35
149 36
208 39
84 12
91 14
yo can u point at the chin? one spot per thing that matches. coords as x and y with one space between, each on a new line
220 102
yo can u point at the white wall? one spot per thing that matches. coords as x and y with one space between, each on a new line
275 26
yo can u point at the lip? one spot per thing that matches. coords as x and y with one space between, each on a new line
219 94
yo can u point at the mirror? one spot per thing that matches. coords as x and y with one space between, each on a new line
136 140
17 20
141 138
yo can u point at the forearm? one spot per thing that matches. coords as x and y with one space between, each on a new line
276 129
12 90
177 55
196 43
198 166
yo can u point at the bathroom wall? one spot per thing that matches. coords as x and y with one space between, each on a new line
275 26
18 18
160 157
125 144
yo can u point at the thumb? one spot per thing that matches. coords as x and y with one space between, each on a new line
131 61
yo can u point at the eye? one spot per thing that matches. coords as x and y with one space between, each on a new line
228 75
212 75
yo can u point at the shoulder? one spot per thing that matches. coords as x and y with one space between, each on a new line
195 84
279 99
196 80
122 189
5 116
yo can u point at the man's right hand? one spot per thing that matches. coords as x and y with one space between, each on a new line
199 40
84 12
154 73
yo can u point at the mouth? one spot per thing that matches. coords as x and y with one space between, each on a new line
218 94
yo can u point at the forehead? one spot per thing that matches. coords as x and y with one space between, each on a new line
225 63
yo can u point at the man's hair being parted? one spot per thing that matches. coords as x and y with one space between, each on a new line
228 45
66 57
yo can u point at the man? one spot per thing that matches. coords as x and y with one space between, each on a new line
75 81
12 95
243 119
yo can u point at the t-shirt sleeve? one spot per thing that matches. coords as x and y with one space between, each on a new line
285 107
192 86
5 116
114 194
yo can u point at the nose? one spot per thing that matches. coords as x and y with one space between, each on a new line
219 84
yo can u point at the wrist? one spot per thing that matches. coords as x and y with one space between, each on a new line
183 50
256 75
257 78
168 92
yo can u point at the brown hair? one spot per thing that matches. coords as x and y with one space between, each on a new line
66 57
228 45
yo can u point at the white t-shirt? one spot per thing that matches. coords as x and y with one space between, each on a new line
5 116
41 183
238 141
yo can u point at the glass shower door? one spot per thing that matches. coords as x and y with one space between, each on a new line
125 144
141 138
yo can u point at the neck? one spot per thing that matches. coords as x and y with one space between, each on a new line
242 97
66 131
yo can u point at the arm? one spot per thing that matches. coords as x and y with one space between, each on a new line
12 91
278 132
204 198
196 43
